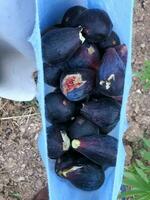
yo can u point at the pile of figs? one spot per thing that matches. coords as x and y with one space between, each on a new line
85 63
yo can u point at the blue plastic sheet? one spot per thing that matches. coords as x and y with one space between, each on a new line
49 12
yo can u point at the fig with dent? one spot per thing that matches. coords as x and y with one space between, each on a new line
110 79
111 41
72 14
104 112
87 56
58 141
96 24
59 44
99 149
77 84
82 127
58 108
80 171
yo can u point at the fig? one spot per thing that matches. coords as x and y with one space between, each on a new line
77 84
71 15
58 141
110 81
82 127
111 41
96 24
122 51
60 44
104 112
52 73
87 56
58 108
81 172
56 26
99 149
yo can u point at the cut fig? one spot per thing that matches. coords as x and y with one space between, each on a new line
58 141
58 108
99 149
60 44
82 127
72 14
96 24
77 84
104 112
87 56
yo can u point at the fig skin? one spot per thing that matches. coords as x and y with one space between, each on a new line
111 41
80 171
99 149
111 75
87 56
122 51
58 141
104 112
71 14
58 108
82 127
96 24
59 44
52 73
77 84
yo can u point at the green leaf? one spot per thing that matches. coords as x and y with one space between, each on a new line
142 174
146 142
130 193
135 181
140 164
145 155
145 196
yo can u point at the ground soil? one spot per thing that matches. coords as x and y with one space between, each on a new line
21 170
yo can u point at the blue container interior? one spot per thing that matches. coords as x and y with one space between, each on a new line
48 13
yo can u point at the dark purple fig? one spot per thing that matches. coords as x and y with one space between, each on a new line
58 141
87 56
52 73
56 26
110 81
68 159
60 44
71 15
77 84
99 149
111 41
82 127
58 108
81 172
104 112
96 24
122 51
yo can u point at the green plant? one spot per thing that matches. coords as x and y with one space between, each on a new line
144 75
137 176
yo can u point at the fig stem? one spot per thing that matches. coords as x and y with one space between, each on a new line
75 144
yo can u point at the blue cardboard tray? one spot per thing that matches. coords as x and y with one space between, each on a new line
48 12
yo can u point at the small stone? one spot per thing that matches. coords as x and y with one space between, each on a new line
139 91
143 46
129 154
21 179
134 133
